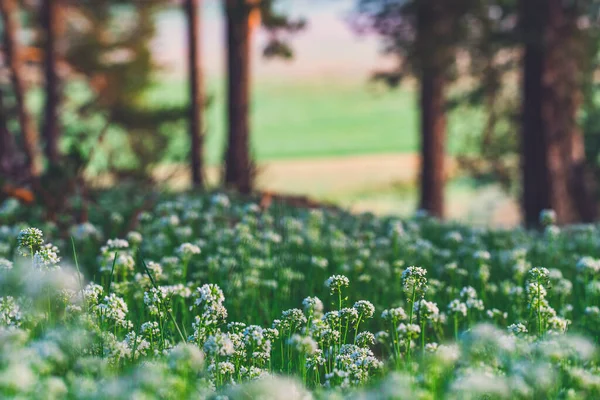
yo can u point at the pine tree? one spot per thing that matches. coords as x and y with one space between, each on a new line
241 17
9 9
196 106
424 36
51 124
552 152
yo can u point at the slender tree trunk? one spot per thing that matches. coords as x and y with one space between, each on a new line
51 124
10 18
553 159
433 25
433 141
193 8
238 163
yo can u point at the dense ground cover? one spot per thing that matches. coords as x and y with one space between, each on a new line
208 296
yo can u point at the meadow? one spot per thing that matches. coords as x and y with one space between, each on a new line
313 118
216 296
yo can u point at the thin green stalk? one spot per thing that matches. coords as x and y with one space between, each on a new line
164 306
456 327
410 319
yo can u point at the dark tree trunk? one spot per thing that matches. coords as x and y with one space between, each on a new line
433 141
12 52
435 54
553 163
238 163
51 124
196 126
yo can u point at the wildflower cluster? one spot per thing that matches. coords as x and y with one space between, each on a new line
213 296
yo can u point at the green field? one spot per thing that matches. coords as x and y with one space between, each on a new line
310 118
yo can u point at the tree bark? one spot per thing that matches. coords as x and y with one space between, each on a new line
433 142
51 124
238 163
196 126
435 54
10 19
553 159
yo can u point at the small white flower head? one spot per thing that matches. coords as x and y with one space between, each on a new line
409 331
46 258
349 315
145 217
114 245
454 237
150 330
365 339
552 231
457 307
219 344
29 241
186 357
156 299
114 309
588 265
558 325
593 311
427 309
496 314
220 200
293 318
319 262
10 313
135 238
225 368
5 264
210 294
469 295
482 255
414 279
547 217
517 329
365 309
85 231
394 314
236 327
304 344
313 305
116 218
332 318
188 250
540 275
431 347
335 283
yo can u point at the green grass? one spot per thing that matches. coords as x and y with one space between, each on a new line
310 118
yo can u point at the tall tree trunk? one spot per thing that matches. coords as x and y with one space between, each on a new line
433 141
51 124
193 8
433 25
553 163
10 18
238 163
